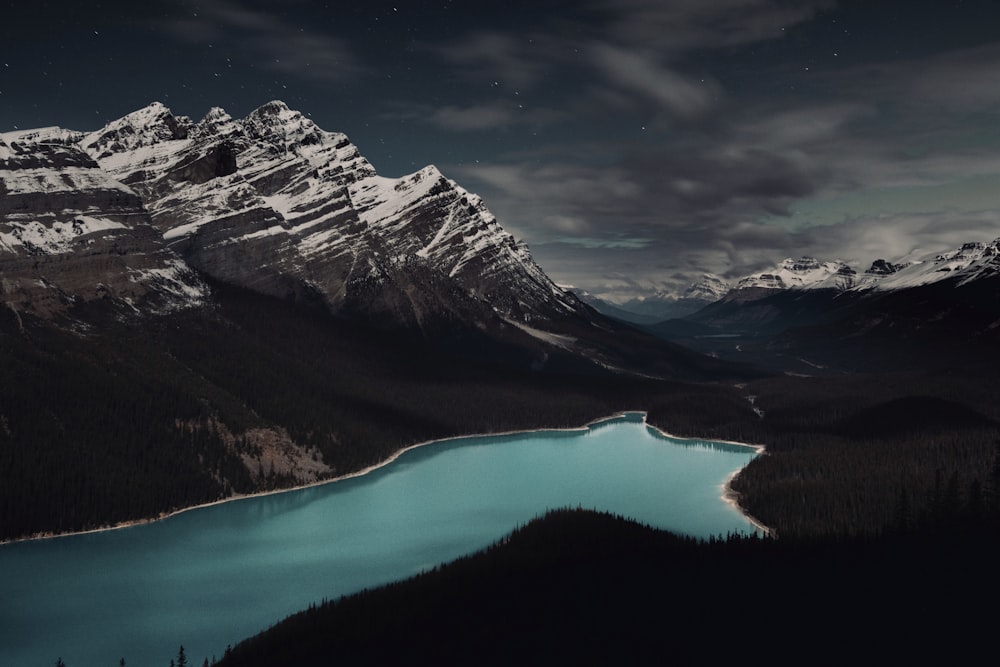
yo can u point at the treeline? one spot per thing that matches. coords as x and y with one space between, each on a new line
854 454
89 436
582 588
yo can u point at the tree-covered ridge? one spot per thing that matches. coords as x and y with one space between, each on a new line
843 452
581 588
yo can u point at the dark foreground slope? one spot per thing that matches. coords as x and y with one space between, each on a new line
576 588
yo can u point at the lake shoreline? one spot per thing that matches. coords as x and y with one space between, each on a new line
729 496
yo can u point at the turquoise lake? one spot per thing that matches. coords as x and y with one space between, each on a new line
215 575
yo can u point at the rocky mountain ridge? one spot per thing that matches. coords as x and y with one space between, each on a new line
971 261
270 202
807 316
274 203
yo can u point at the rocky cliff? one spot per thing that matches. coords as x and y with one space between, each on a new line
71 234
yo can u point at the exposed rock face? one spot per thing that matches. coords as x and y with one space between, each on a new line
805 272
274 203
881 267
709 289
69 234
971 262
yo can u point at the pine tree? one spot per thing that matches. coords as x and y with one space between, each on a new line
181 658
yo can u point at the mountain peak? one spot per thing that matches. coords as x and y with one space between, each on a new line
802 273
272 108
279 125
215 123
882 267
147 126
710 288
149 116
215 113
802 264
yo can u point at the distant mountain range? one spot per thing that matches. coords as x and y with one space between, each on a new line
810 316
972 261
662 305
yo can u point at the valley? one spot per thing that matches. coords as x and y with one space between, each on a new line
195 311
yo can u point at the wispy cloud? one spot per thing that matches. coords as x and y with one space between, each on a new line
632 71
269 41
518 61
487 116
684 25
497 114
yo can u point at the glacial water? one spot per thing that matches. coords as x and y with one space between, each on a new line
213 576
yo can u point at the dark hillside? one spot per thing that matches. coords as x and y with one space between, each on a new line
575 588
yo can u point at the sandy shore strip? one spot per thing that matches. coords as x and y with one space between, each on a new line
729 496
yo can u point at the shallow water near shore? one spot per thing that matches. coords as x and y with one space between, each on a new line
215 575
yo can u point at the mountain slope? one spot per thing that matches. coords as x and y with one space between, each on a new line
70 234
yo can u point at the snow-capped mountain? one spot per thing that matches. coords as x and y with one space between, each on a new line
970 262
974 260
801 273
806 315
665 305
662 304
708 289
274 203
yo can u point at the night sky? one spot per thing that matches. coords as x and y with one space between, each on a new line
634 144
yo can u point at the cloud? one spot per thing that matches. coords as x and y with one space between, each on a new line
657 214
682 26
487 116
630 70
960 80
810 125
274 44
517 61
862 239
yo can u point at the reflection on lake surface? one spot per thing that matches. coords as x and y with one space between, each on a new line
212 576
